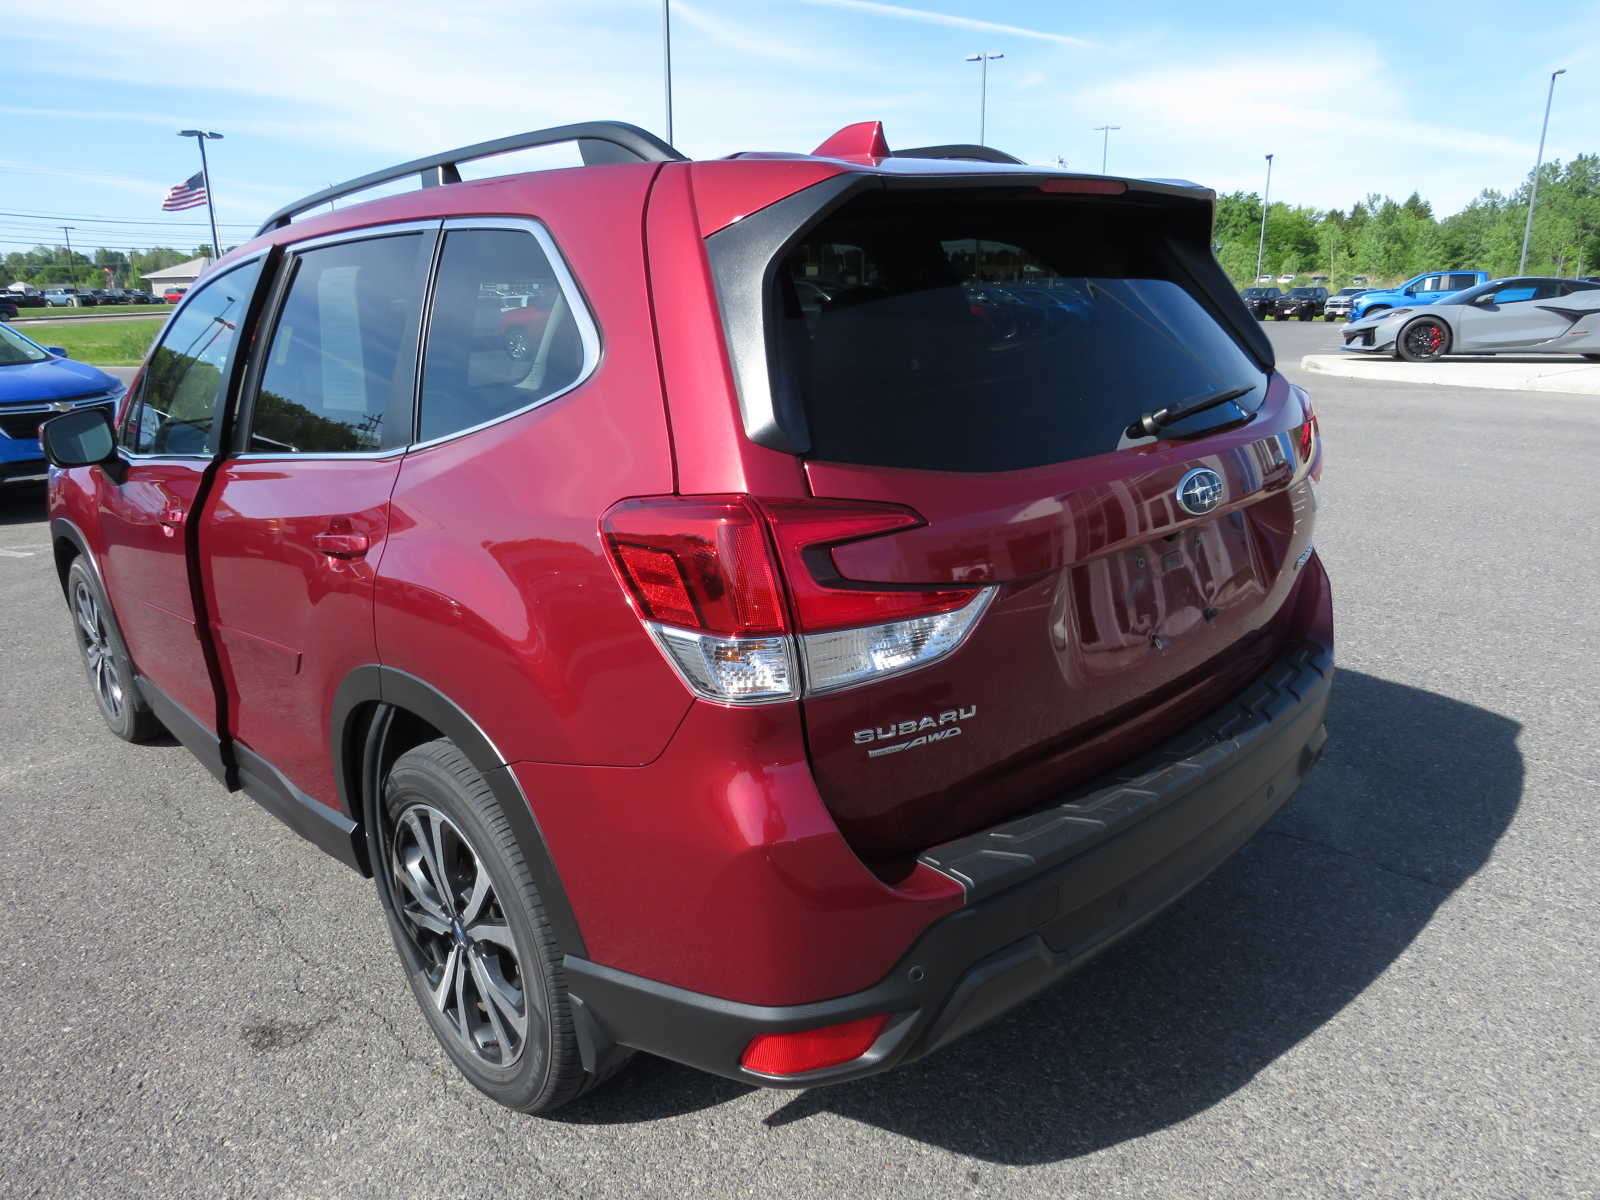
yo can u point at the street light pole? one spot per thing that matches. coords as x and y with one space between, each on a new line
200 137
666 59
983 93
1533 192
1105 144
1266 197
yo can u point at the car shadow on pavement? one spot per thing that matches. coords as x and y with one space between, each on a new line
1407 803
22 503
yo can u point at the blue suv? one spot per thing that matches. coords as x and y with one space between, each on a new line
36 383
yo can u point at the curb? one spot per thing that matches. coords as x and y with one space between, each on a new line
1561 375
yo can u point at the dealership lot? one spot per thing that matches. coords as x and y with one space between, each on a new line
1390 992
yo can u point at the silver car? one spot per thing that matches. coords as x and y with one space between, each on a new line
1338 306
1527 315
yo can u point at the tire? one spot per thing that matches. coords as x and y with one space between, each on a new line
1424 339
105 659
1305 316
484 936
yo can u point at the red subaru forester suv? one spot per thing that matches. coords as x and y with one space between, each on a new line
879 581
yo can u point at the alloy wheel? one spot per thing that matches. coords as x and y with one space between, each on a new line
1424 339
95 643
452 914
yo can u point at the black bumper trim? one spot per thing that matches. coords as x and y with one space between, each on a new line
1033 915
988 862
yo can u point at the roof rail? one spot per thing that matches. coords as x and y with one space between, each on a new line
598 142
972 153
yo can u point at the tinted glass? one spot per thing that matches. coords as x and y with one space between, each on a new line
974 335
504 334
184 375
1462 281
335 381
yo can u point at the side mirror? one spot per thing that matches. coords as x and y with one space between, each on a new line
58 351
78 439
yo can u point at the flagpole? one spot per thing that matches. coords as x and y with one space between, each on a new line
200 137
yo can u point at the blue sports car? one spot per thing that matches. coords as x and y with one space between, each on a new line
36 383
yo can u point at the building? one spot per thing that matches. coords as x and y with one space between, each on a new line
181 276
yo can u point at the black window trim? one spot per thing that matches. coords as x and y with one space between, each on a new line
227 392
577 303
268 328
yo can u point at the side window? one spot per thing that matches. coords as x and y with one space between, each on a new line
1460 282
335 379
182 380
506 331
1433 283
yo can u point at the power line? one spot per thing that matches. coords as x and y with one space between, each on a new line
34 215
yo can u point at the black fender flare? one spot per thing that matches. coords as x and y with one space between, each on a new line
363 709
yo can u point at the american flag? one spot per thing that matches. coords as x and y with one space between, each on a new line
191 193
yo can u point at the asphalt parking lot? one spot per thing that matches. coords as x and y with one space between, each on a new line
1391 992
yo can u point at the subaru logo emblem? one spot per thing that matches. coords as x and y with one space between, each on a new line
1200 491
61 406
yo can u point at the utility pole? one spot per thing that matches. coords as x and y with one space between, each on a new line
666 58
1533 191
66 232
200 137
1266 196
1105 144
983 93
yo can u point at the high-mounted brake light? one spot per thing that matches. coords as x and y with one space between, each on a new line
704 572
812 1049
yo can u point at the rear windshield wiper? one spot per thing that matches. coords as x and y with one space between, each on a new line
1153 423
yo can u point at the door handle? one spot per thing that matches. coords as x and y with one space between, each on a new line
339 540
172 514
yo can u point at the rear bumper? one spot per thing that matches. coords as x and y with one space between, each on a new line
1045 893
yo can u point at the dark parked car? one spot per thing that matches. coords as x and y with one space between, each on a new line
1301 304
781 692
24 299
8 310
1261 301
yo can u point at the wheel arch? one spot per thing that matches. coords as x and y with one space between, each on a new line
379 713
67 543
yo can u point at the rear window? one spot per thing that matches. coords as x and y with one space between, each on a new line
965 334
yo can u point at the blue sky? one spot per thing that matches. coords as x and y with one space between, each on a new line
1352 99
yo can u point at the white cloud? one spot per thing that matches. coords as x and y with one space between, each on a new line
939 18
1335 135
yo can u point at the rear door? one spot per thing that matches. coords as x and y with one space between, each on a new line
169 441
1137 581
291 540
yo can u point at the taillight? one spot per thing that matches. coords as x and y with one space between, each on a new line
701 576
812 1049
1306 434
703 573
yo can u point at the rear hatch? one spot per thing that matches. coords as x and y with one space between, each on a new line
977 354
